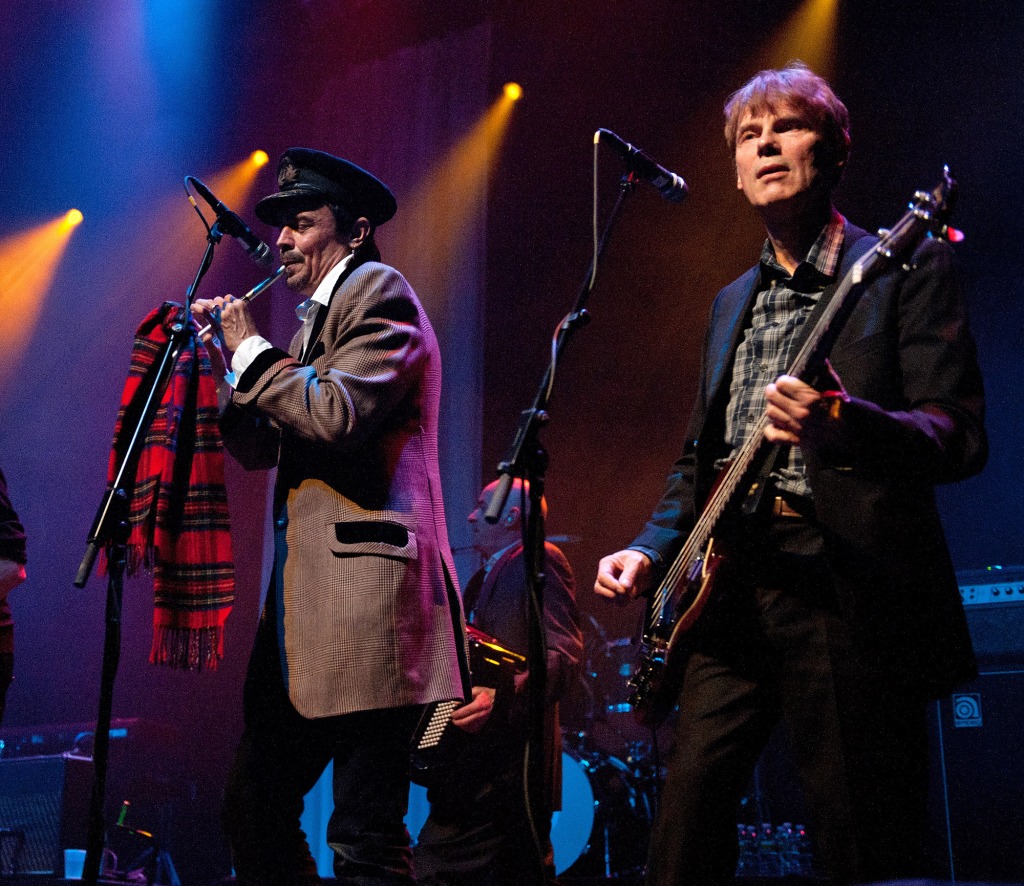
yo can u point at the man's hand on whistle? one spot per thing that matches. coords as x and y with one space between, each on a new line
230 324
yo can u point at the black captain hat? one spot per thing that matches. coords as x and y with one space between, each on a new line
308 179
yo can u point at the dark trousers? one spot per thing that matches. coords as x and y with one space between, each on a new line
778 646
280 758
478 834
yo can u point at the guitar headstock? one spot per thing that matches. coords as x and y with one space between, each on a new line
935 208
928 215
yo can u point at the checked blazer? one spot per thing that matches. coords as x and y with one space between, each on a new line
368 614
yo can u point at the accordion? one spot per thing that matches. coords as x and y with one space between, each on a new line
436 740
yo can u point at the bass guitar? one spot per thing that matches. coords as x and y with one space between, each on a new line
683 594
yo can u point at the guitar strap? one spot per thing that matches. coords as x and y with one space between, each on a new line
857 247
862 241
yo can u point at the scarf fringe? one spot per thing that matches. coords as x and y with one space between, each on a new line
193 649
137 557
140 556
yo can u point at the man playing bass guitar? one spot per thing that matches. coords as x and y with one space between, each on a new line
835 607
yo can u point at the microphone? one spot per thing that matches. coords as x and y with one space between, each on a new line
668 184
232 225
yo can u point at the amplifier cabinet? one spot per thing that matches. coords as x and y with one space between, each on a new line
993 601
977 785
47 800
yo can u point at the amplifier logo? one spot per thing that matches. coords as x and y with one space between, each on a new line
967 709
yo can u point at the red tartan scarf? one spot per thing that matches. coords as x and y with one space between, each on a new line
178 504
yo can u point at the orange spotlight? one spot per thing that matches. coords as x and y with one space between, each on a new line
73 218
28 262
809 34
232 185
452 196
165 241
513 91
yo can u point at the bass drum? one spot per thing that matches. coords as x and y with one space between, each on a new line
604 825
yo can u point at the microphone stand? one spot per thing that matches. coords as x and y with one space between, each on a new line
528 459
111 529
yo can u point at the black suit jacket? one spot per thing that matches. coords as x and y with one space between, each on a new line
907 359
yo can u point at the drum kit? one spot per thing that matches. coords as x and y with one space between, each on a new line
611 774
602 830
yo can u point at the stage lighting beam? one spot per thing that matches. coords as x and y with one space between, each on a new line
809 34
28 263
452 194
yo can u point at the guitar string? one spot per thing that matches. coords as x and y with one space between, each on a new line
739 466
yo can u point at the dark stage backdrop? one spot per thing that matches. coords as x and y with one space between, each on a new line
109 104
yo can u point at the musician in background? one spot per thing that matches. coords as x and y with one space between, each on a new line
362 624
838 611
477 833
12 574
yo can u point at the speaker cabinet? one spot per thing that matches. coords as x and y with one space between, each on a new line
46 799
977 789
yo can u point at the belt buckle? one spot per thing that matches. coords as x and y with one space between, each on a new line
782 508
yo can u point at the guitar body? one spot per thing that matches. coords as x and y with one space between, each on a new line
655 682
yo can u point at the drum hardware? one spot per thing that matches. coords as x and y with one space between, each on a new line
611 775
610 720
604 826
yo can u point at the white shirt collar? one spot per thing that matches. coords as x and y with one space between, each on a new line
322 295
326 288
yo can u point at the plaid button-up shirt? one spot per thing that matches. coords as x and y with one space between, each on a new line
780 311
